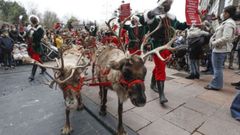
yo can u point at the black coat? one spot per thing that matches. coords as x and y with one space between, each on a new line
6 43
196 47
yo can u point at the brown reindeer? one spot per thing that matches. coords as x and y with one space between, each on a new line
68 75
125 73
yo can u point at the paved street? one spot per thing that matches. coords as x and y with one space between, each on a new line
34 109
191 109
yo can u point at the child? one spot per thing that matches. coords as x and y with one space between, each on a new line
6 44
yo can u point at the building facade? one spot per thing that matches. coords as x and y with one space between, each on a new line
216 6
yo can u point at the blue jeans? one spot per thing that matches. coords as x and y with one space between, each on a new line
235 107
217 63
209 62
194 67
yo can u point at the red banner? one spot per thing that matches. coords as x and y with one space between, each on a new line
125 11
191 11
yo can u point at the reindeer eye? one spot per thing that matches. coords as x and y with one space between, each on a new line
127 73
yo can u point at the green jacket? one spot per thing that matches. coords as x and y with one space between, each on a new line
37 37
135 39
162 35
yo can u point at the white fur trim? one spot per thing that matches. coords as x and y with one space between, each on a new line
128 22
39 26
132 26
34 16
135 17
171 16
92 28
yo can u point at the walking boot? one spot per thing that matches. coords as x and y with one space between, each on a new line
43 70
197 76
153 84
190 77
34 69
160 85
236 84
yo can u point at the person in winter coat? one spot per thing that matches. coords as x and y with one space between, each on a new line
6 45
197 38
92 30
221 44
58 40
14 34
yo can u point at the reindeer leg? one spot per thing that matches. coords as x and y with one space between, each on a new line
67 129
93 69
100 93
121 130
80 104
103 101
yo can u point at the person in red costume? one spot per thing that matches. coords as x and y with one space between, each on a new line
160 37
35 35
109 38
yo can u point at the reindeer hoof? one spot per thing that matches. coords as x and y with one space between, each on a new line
102 113
80 107
66 130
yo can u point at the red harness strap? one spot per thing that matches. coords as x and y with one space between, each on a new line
77 88
122 81
130 83
101 84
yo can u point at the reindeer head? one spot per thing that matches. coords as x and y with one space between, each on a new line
133 69
133 73
68 72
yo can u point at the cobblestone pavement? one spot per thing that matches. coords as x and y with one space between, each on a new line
34 109
191 109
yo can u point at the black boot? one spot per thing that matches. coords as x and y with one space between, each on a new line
197 76
34 69
153 84
190 76
43 70
160 85
236 84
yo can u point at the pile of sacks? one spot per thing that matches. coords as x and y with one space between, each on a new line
20 51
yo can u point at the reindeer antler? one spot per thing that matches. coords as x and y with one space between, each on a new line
32 61
148 35
73 69
158 49
120 29
61 58
109 25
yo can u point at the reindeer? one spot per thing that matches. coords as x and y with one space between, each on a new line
124 73
68 75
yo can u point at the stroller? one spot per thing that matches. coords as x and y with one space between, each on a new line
179 59
50 52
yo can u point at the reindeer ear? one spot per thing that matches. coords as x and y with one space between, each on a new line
117 65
